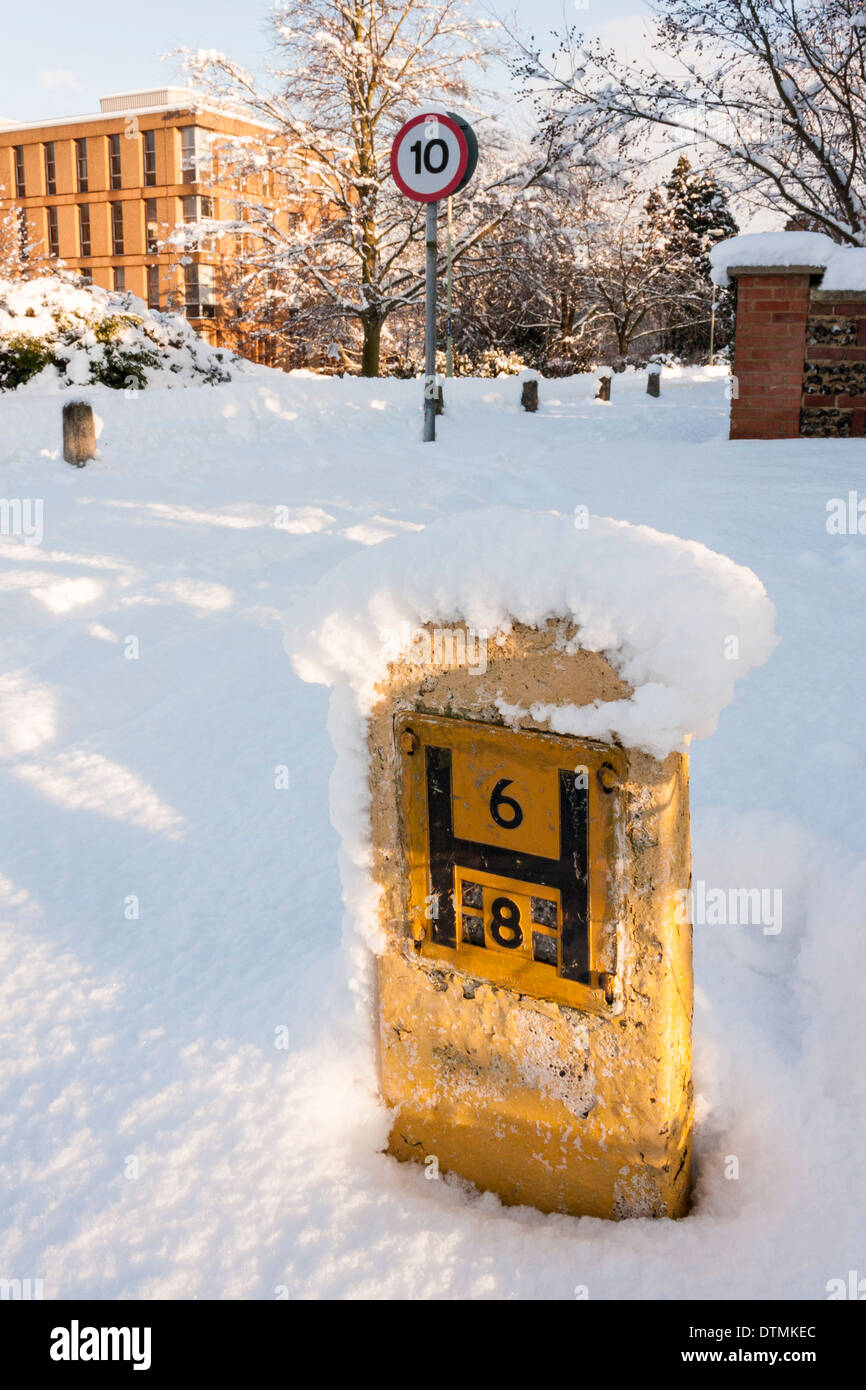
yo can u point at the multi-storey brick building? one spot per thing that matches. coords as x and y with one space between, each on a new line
100 193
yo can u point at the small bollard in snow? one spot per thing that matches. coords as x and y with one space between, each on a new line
440 400
529 395
79 433
653 379
603 392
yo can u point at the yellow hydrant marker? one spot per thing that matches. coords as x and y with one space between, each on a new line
534 992
498 827
516 861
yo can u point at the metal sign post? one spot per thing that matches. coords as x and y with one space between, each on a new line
449 342
430 327
427 165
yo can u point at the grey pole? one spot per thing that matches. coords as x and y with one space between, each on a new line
449 343
430 328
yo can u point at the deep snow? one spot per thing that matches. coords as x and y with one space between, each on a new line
154 1038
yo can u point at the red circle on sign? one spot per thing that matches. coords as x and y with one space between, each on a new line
452 184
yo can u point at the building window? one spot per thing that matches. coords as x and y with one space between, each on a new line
148 141
53 236
84 230
151 227
187 154
50 168
118 276
117 229
20 182
86 277
81 165
198 292
195 158
196 208
114 179
153 287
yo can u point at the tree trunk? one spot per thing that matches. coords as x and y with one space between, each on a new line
568 309
370 352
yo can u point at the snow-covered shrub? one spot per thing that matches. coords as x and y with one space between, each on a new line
491 362
496 362
21 357
89 336
572 356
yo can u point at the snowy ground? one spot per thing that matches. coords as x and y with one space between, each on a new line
148 1044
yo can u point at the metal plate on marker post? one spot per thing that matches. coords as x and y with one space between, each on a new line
510 839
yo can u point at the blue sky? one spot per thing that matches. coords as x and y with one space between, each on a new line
61 58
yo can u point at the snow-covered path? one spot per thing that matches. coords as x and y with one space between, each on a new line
146 1044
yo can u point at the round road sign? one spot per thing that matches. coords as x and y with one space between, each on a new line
431 156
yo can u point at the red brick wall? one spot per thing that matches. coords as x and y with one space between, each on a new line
769 352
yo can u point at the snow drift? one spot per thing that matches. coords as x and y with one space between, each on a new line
677 621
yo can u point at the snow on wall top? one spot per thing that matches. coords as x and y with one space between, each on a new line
677 621
844 267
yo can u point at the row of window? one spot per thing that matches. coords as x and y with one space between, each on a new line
193 157
199 298
199 291
195 208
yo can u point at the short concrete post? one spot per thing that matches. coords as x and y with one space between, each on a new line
603 392
79 433
653 379
529 395
526 891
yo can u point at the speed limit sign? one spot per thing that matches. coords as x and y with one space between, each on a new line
433 156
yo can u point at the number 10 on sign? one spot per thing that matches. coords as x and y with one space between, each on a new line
433 156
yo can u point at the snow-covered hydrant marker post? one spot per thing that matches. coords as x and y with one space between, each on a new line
512 703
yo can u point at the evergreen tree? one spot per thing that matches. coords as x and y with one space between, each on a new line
691 214
698 214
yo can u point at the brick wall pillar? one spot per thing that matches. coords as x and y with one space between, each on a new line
769 350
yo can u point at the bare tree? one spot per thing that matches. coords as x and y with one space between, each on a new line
334 237
637 280
522 290
777 88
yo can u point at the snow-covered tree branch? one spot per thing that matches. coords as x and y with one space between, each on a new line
776 89
330 240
